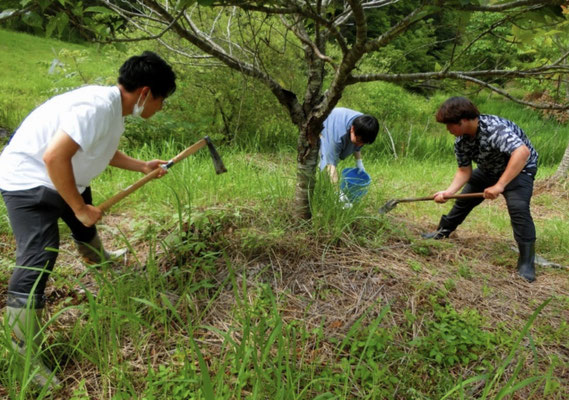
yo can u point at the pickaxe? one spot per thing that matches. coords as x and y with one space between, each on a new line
391 204
217 163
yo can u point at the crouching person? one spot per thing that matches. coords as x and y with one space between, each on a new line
45 173
506 164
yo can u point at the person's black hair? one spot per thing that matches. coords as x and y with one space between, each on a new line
148 69
366 128
455 109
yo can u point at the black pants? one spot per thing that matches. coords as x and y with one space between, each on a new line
518 196
33 215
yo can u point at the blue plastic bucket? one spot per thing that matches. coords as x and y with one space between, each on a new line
354 183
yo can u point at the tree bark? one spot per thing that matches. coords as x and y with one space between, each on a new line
305 175
563 169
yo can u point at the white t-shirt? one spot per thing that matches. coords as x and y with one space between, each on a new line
91 116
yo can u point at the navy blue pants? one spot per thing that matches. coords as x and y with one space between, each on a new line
33 215
517 194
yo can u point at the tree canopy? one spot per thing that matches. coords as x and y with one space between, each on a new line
334 44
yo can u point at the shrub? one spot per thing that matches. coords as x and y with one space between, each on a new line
454 337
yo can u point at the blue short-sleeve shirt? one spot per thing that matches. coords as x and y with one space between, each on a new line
492 146
335 142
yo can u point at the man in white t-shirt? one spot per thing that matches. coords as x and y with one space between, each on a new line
45 172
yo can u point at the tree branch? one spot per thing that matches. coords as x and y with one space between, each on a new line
471 76
511 5
5 15
361 23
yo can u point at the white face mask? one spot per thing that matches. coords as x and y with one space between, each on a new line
137 110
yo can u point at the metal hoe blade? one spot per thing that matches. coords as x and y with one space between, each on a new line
217 162
390 205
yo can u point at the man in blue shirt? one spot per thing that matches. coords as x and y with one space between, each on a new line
506 164
345 132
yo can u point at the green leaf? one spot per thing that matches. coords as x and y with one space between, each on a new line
100 10
524 35
146 302
184 3
465 383
62 22
205 2
50 27
325 396
207 388
78 11
32 19
44 3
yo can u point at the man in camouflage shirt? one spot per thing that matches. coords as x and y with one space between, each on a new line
506 164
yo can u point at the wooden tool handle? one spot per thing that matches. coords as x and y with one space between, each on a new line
189 151
454 196
107 204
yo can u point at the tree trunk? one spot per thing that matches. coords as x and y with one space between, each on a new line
563 168
305 175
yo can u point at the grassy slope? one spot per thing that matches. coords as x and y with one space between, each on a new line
25 81
354 305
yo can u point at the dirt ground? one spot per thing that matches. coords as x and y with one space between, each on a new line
316 282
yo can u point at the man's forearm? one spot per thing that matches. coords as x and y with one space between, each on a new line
121 160
461 176
518 160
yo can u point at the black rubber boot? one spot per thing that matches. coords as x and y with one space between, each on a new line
526 260
440 233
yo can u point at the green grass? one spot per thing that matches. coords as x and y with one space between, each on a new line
26 81
408 127
226 296
211 242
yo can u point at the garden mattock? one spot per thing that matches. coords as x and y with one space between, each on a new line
217 163
391 204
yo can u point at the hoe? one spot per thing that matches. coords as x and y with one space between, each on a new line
391 204
217 163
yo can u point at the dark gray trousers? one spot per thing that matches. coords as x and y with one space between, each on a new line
517 194
34 214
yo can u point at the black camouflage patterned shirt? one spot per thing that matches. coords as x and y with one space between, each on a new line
492 146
